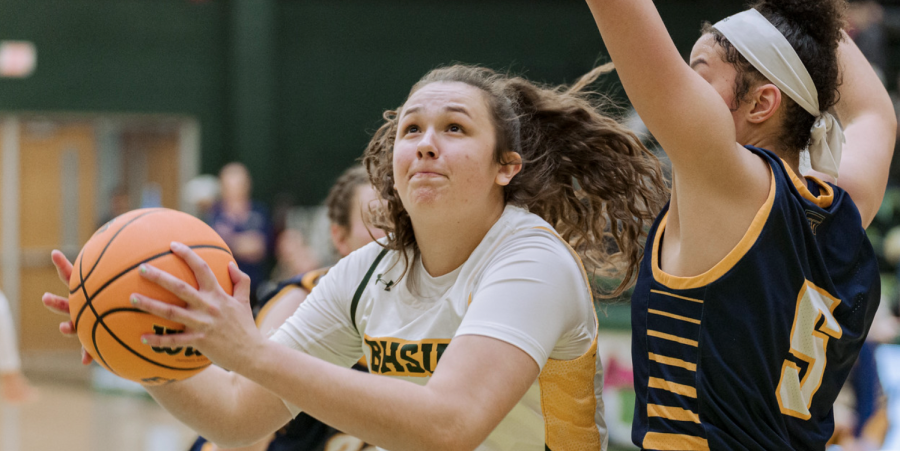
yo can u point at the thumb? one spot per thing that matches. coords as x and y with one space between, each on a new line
241 282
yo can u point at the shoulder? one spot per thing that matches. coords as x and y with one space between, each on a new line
539 252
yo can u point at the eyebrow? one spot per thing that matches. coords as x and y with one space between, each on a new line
450 108
457 109
698 62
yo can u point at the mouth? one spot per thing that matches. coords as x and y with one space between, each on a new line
424 175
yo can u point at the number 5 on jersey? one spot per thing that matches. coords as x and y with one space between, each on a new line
809 345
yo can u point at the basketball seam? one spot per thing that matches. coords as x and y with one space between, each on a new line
107 313
116 277
108 243
88 300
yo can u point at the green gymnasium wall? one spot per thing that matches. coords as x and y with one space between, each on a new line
292 87
129 56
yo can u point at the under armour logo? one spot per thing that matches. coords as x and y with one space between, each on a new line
387 283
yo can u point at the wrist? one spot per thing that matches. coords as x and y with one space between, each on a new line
254 356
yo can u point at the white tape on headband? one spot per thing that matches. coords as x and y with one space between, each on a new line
772 55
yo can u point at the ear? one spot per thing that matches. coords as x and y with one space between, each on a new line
766 102
339 235
508 170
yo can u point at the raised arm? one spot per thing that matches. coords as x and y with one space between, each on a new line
682 110
870 127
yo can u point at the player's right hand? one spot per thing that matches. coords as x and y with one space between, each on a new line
59 304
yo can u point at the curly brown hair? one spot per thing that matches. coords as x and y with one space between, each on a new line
582 171
813 28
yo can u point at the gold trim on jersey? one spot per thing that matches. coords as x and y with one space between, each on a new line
824 200
672 361
673 316
311 278
670 337
672 413
719 270
307 282
672 442
568 401
264 312
678 389
677 296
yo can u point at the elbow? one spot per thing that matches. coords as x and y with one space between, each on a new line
235 436
233 441
456 435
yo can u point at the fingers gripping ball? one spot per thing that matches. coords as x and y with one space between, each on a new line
105 274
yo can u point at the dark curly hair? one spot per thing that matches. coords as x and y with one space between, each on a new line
582 171
813 28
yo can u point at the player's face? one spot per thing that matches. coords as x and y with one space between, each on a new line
347 240
706 59
359 236
444 150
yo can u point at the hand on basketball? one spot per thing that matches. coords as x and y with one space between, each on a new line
218 324
59 304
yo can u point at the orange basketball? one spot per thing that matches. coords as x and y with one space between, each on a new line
105 274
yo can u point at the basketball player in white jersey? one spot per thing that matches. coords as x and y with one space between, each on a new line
474 314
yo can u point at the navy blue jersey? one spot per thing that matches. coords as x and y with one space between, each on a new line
751 354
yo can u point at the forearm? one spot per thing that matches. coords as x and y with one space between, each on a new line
220 407
679 107
867 115
862 93
390 413
645 56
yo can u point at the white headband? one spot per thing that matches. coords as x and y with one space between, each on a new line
771 54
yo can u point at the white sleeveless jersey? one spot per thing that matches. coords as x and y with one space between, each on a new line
522 285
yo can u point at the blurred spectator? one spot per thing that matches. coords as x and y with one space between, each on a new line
201 193
242 223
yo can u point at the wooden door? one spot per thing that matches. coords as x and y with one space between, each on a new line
58 173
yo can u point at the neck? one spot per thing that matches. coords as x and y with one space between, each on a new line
446 245
792 159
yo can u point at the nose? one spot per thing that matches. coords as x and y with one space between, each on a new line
427 147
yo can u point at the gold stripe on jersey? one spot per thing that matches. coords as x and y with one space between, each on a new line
397 357
671 361
722 267
672 413
670 337
568 401
673 316
826 196
699 301
679 389
307 282
311 278
672 442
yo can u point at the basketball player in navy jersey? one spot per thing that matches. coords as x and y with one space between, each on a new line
347 204
759 284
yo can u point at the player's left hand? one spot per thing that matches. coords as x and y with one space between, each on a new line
219 325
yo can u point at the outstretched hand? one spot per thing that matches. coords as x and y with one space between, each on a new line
219 325
59 304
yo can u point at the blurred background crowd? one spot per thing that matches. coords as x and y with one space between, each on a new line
245 112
